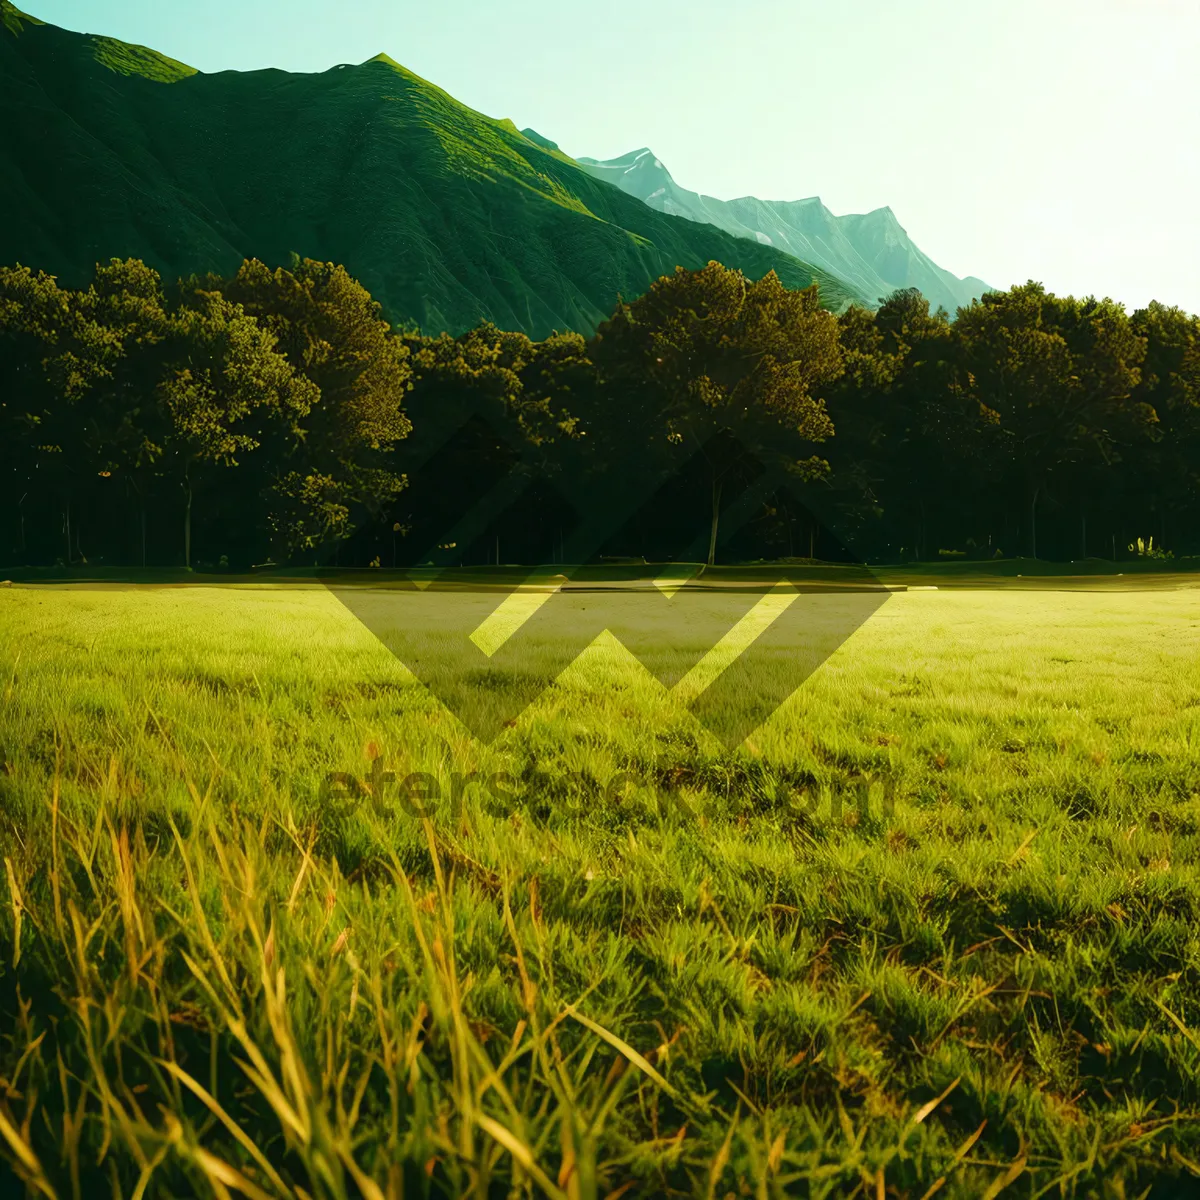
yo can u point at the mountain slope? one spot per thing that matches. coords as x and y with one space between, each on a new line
448 216
871 252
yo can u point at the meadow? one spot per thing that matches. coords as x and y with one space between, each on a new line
934 929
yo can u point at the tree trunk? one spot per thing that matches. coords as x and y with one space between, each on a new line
131 482
1033 523
21 515
1083 536
716 516
67 528
187 521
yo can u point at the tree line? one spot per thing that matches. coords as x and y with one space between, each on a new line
275 415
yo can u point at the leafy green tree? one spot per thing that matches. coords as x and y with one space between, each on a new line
1059 373
80 376
940 439
339 470
556 376
133 385
714 360
123 324
859 404
456 377
486 405
504 375
905 457
33 315
228 389
1168 465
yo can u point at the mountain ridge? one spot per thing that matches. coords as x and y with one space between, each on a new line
448 216
871 251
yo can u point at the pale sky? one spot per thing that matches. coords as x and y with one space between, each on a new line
1056 140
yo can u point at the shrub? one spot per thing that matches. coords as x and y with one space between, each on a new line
1147 549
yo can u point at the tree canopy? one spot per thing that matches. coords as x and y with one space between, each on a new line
275 414
730 367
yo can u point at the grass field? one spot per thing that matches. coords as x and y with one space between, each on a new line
934 929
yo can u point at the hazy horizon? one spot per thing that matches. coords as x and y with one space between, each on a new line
1011 142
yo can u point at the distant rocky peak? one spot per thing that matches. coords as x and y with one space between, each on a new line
871 251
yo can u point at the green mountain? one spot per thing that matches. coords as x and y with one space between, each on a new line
871 251
446 215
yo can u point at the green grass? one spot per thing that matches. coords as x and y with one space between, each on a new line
127 59
730 979
446 215
13 19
